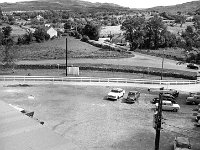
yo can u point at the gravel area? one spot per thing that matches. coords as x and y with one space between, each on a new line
82 113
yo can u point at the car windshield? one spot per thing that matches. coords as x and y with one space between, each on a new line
131 94
115 91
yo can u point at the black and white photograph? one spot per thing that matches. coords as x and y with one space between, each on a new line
99 75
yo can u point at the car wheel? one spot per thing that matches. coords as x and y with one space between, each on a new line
175 110
118 97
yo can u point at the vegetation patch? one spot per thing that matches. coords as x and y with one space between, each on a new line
56 49
19 85
169 53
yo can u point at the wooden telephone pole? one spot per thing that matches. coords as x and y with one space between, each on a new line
158 122
66 56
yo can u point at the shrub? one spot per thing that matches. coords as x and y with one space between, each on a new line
85 38
79 36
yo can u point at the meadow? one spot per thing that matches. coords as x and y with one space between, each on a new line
56 49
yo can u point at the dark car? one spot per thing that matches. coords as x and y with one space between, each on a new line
172 92
156 100
192 66
132 97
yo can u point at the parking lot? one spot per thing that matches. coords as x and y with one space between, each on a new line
83 113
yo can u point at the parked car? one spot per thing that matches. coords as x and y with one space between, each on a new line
116 93
156 100
193 94
168 105
174 93
192 66
193 100
181 143
132 96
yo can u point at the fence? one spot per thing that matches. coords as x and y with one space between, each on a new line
96 79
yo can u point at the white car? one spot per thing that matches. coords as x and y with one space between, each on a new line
168 105
116 93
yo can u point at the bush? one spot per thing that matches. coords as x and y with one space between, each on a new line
85 38
79 36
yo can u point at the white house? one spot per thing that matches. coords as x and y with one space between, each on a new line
52 32
39 17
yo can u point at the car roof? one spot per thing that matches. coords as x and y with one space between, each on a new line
132 91
167 102
117 89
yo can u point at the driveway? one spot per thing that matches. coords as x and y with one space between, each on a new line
138 60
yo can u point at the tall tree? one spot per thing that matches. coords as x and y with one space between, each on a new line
92 31
134 28
1 14
154 29
6 31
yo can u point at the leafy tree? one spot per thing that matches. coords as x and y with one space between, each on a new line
1 14
134 28
180 19
68 24
196 21
8 53
27 38
92 31
154 28
6 31
11 19
40 35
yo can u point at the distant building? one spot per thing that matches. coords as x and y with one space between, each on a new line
39 17
52 32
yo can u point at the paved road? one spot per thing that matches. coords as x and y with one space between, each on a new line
138 60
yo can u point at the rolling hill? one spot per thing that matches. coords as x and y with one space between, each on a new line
57 5
185 7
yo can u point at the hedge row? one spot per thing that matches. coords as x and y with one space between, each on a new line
119 68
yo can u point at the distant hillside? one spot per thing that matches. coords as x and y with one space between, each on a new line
185 7
57 5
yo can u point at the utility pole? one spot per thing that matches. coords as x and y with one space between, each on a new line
159 118
162 65
66 56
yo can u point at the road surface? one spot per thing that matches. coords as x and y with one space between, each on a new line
138 60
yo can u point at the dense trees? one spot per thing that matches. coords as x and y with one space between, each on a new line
40 35
150 34
7 50
92 31
134 28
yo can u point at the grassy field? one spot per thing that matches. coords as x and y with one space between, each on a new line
170 53
56 49
107 30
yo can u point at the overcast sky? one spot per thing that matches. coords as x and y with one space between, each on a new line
130 3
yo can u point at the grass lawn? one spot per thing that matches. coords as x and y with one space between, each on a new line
56 49
170 53
107 30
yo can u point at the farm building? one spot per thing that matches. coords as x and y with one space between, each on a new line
52 32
